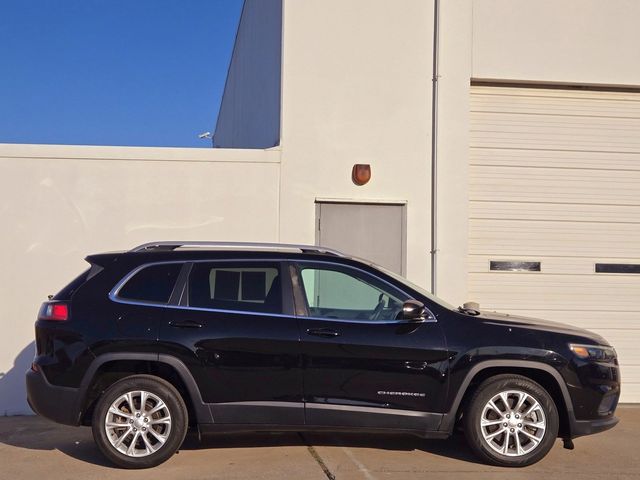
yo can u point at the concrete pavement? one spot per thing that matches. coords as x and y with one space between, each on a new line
31 447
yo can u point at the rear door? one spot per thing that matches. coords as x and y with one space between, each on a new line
235 330
139 304
362 365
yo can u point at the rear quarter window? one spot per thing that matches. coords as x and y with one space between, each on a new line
67 292
152 284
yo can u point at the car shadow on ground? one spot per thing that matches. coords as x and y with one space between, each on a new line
454 447
35 433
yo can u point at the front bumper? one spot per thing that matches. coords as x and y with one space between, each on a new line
51 401
580 428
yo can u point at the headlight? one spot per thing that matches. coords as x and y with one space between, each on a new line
593 352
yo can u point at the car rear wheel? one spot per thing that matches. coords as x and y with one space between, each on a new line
511 421
139 421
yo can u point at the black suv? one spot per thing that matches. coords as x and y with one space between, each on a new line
248 337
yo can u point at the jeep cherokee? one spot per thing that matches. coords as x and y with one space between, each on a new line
264 337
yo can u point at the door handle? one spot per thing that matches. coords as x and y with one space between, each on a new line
415 365
322 332
186 324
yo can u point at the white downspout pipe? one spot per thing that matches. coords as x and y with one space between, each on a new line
434 146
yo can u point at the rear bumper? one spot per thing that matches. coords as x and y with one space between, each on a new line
53 402
580 428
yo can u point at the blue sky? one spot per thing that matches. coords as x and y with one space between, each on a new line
113 72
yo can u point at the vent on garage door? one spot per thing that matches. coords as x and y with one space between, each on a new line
555 178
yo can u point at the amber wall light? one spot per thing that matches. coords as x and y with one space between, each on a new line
361 173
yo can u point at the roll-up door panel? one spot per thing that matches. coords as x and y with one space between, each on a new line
555 178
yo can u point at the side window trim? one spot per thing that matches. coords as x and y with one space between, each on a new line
294 300
180 296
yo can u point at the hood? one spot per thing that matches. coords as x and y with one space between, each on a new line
517 321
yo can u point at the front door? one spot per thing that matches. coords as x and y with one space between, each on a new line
363 366
235 331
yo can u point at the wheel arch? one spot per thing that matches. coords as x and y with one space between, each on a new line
547 376
110 367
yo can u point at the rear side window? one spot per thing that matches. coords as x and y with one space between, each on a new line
249 287
67 292
151 284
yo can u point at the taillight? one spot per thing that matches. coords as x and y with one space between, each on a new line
54 311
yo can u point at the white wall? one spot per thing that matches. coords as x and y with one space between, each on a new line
453 149
574 41
59 204
357 89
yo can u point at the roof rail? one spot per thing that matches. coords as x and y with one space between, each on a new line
168 245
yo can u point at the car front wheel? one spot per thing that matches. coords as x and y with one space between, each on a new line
511 421
139 421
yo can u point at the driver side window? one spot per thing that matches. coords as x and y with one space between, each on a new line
334 293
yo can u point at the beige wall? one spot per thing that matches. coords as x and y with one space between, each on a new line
356 89
453 149
59 204
575 41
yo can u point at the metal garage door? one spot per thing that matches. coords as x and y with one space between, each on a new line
555 179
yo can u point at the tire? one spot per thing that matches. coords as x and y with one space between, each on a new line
158 429
529 431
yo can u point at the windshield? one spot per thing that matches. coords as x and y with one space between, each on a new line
413 286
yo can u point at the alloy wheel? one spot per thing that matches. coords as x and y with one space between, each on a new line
513 423
138 423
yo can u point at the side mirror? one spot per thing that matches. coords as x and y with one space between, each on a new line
414 311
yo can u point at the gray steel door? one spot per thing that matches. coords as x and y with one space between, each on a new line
372 231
